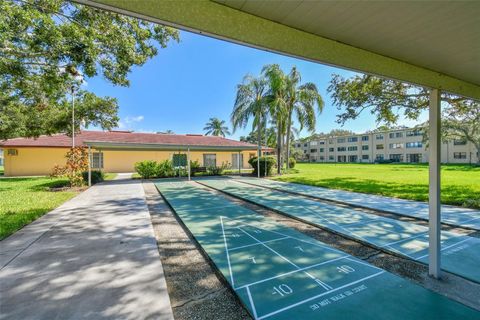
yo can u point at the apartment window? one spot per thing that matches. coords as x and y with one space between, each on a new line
352 139
352 158
180 160
330 141
97 160
365 157
331 158
322 158
299 145
416 144
395 135
414 157
341 149
331 149
459 142
313 143
459 155
364 147
365 138
352 148
304 151
379 157
305 144
341 140
396 157
396 145
379 137
414 133
379 147
210 160
322 142
322 149
313 150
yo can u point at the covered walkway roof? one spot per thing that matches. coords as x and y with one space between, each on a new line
429 43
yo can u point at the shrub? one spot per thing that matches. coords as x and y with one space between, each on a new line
147 169
194 165
77 163
292 162
165 169
270 162
218 171
97 176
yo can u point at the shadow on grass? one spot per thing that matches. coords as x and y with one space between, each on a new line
451 194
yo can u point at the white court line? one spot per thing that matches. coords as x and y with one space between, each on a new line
468 221
409 238
255 316
210 208
319 295
256 244
364 263
453 245
226 251
290 272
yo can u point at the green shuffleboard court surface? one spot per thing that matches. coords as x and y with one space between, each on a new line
279 273
460 253
456 216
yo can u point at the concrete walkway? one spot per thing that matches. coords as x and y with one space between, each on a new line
94 257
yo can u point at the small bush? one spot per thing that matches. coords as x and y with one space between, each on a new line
77 163
270 162
292 162
194 165
147 169
97 176
218 171
165 169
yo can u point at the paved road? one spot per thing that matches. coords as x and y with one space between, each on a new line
94 257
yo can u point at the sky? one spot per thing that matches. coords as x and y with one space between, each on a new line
193 80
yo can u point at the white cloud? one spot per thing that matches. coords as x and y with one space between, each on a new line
129 121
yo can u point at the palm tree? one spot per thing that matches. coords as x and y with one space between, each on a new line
277 101
250 102
301 100
216 127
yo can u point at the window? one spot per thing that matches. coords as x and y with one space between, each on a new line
365 157
179 160
379 147
396 157
414 157
396 145
364 147
459 155
379 137
313 150
352 158
331 158
341 149
330 141
417 144
379 157
322 149
305 144
352 148
304 151
97 160
313 143
395 135
322 142
322 158
209 160
12 152
414 133
341 140
459 142
299 145
365 138
352 139
331 149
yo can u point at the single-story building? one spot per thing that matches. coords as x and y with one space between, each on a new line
118 151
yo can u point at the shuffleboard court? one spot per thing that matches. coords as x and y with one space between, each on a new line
455 216
460 253
279 273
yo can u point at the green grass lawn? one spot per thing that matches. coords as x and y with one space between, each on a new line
1 170
22 200
110 176
460 183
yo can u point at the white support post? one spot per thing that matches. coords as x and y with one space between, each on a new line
89 166
188 162
434 213
238 161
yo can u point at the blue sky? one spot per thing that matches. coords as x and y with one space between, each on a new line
191 81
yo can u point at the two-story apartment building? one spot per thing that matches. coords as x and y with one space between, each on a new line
402 145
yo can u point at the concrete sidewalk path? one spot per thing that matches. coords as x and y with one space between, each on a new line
94 257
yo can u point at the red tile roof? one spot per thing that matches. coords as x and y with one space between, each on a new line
62 140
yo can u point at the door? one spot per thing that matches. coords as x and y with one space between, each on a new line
235 161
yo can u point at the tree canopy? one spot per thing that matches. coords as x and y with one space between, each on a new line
46 44
216 127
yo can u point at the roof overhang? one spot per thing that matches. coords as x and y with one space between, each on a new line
167 147
235 22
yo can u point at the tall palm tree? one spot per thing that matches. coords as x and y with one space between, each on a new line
277 101
216 127
301 101
250 102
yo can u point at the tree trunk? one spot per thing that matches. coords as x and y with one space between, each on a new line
259 136
279 148
287 143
